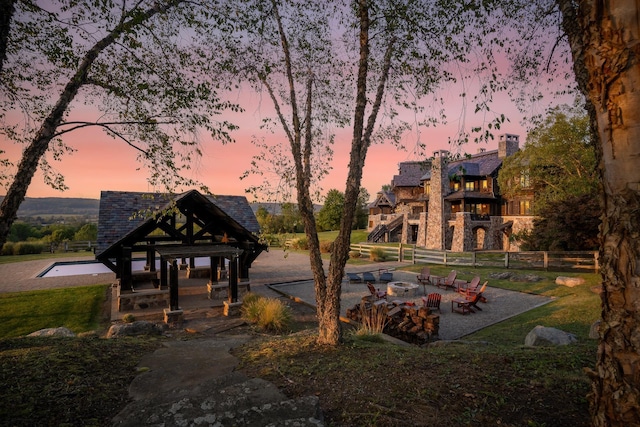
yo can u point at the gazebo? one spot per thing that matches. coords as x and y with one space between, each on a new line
190 226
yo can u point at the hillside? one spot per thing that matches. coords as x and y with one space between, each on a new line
50 206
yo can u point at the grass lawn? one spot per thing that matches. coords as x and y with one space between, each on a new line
492 379
78 309
6 259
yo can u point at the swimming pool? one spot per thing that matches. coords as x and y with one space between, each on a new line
76 268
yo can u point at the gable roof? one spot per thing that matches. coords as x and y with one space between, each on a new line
481 164
383 198
409 173
130 215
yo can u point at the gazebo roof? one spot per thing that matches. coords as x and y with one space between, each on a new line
127 218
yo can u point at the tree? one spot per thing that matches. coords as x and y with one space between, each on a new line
604 39
331 213
558 161
134 62
394 55
561 226
87 232
362 211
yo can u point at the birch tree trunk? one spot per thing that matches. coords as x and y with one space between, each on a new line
605 43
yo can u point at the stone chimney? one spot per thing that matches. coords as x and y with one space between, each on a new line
508 145
438 214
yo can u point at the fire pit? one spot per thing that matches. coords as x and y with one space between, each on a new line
401 289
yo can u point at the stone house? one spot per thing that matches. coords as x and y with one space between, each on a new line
452 204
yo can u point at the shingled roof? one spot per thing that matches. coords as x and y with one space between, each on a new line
123 212
409 174
481 164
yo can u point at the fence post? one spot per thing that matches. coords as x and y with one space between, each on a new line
400 252
506 260
596 261
413 255
545 260
473 259
444 253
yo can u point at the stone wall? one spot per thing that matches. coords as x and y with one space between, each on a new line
437 205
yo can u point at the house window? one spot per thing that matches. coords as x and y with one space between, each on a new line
484 185
427 188
525 207
455 186
524 179
470 185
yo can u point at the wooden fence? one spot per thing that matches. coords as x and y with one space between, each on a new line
582 261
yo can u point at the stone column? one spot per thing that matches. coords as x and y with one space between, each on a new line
438 214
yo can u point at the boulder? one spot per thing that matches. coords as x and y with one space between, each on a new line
140 327
569 281
543 336
53 332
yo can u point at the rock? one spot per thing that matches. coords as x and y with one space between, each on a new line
594 332
569 281
53 332
140 327
543 336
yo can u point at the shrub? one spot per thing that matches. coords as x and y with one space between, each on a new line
128 318
377 255
354 254
300 243
24 248
326 246
275 315
373 322
7 249
251 307
270 314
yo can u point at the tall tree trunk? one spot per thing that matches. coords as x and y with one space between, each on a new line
7 9
605 43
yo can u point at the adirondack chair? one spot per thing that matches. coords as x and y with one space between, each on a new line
432 301
424 278
376 292
471 294
472 286
447 282
466 306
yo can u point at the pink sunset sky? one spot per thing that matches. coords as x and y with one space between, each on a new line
102 163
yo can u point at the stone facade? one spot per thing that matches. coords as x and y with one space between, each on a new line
437 214
453 205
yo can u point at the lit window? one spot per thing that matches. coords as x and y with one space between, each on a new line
484 185
525 207
427 188
524 179
470 185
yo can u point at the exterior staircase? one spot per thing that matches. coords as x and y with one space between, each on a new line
377 233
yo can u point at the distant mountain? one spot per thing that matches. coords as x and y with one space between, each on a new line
48 206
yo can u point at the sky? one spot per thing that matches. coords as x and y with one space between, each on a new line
102 163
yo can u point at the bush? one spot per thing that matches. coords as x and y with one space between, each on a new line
269 314
373 323
128 318
354 254
25 248
377 255
275 316
7 249
300 243
251 309
326 246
